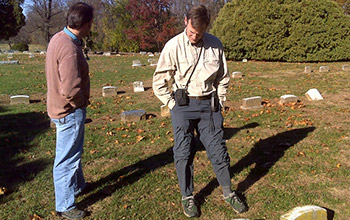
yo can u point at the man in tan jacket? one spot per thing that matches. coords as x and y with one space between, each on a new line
196 62
68 91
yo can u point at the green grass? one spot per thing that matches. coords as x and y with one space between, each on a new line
281 156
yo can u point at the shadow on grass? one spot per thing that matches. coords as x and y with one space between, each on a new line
16 133
126 176
264 155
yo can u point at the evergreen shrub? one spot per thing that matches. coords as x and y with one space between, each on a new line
284 30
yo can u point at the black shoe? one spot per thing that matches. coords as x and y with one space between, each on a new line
189 206
73 214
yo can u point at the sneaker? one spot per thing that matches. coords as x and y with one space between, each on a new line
73 214
190 207
236 203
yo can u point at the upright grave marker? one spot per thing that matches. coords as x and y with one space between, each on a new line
136 63
346 67
108 91
237 74
324 69
286 99
251 103
313 94
138 86
308 69
165 111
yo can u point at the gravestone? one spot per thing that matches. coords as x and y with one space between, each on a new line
286 99
244 60
313 94
251 103
134 115
237 74
165 111
19 99
42 52
324 69
138 86
346 67
308 69
143 53
309 212
106 54
136 63
152 62
9 62
108 91
150 54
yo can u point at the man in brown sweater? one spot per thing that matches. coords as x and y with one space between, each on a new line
68 91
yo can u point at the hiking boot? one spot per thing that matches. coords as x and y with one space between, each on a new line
73 214
236 203
190 207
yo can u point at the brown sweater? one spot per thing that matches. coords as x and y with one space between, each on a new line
67 76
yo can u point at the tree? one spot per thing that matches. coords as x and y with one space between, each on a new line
45 18
11 18
115 22
152 23
284 30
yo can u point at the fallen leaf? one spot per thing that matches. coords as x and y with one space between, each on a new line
338 165
3 190
139 138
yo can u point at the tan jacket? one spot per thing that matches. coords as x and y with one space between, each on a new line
177 61
67 76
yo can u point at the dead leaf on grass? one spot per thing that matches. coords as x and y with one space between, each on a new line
3 190
139 138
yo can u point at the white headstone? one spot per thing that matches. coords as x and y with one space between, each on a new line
309 212
237 74
152 62
346 67
138 86
251 103
313 94
308 69
244 60
107 54
324 69
19 99
136 63
285 99
143 53
42 52
109 91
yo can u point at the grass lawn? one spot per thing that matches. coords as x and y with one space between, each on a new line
281 156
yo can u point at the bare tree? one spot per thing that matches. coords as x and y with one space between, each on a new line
45 18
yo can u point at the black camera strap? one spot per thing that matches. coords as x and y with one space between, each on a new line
194 67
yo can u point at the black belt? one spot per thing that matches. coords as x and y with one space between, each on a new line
201 97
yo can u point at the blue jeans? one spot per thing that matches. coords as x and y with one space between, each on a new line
67 172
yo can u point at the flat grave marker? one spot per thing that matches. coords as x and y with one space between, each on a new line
308 69
19 99
134 115
346 67
237 74
309 212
